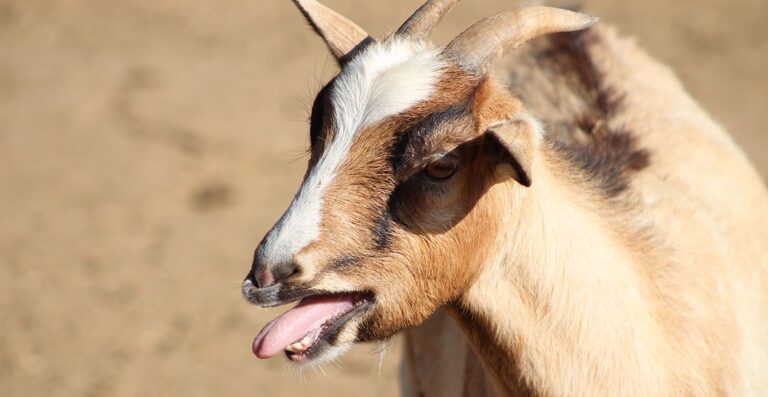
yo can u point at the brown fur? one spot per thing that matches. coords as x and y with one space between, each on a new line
633 264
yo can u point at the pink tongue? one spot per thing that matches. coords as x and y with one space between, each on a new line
292 325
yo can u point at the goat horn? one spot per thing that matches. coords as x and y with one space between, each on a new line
485 41
421 23
339 33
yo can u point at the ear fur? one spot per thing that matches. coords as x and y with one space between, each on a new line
341 35
519 139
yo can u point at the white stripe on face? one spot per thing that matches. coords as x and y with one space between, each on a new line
384 80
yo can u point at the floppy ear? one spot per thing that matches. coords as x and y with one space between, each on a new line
341 35
518 141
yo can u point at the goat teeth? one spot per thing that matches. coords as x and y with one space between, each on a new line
300 346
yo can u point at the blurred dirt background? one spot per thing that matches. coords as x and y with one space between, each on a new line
146 146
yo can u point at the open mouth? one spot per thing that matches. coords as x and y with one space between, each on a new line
314 323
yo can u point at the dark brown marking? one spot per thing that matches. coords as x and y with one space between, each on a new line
561 84
610 154
382 232
412 144
320 120
355 51
342 261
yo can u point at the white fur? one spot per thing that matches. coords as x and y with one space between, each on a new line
386 79
329 355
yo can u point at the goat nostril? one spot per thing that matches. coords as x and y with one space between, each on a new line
263 275
265 279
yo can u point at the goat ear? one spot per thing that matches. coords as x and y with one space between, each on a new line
342 36
518 140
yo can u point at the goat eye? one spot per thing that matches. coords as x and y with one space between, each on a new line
442 168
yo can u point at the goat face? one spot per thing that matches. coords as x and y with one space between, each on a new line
397 212
392 219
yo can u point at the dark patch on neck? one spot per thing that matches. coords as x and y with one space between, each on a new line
608 155
609 160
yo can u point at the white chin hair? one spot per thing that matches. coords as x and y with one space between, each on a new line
329 355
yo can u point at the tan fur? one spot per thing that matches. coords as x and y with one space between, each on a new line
695 292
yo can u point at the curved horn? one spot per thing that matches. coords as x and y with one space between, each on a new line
340 34
421 23
485 41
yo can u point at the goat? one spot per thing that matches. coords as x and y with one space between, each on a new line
567 222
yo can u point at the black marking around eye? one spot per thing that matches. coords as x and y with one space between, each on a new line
415 137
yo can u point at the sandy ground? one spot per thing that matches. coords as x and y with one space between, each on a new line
146 146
